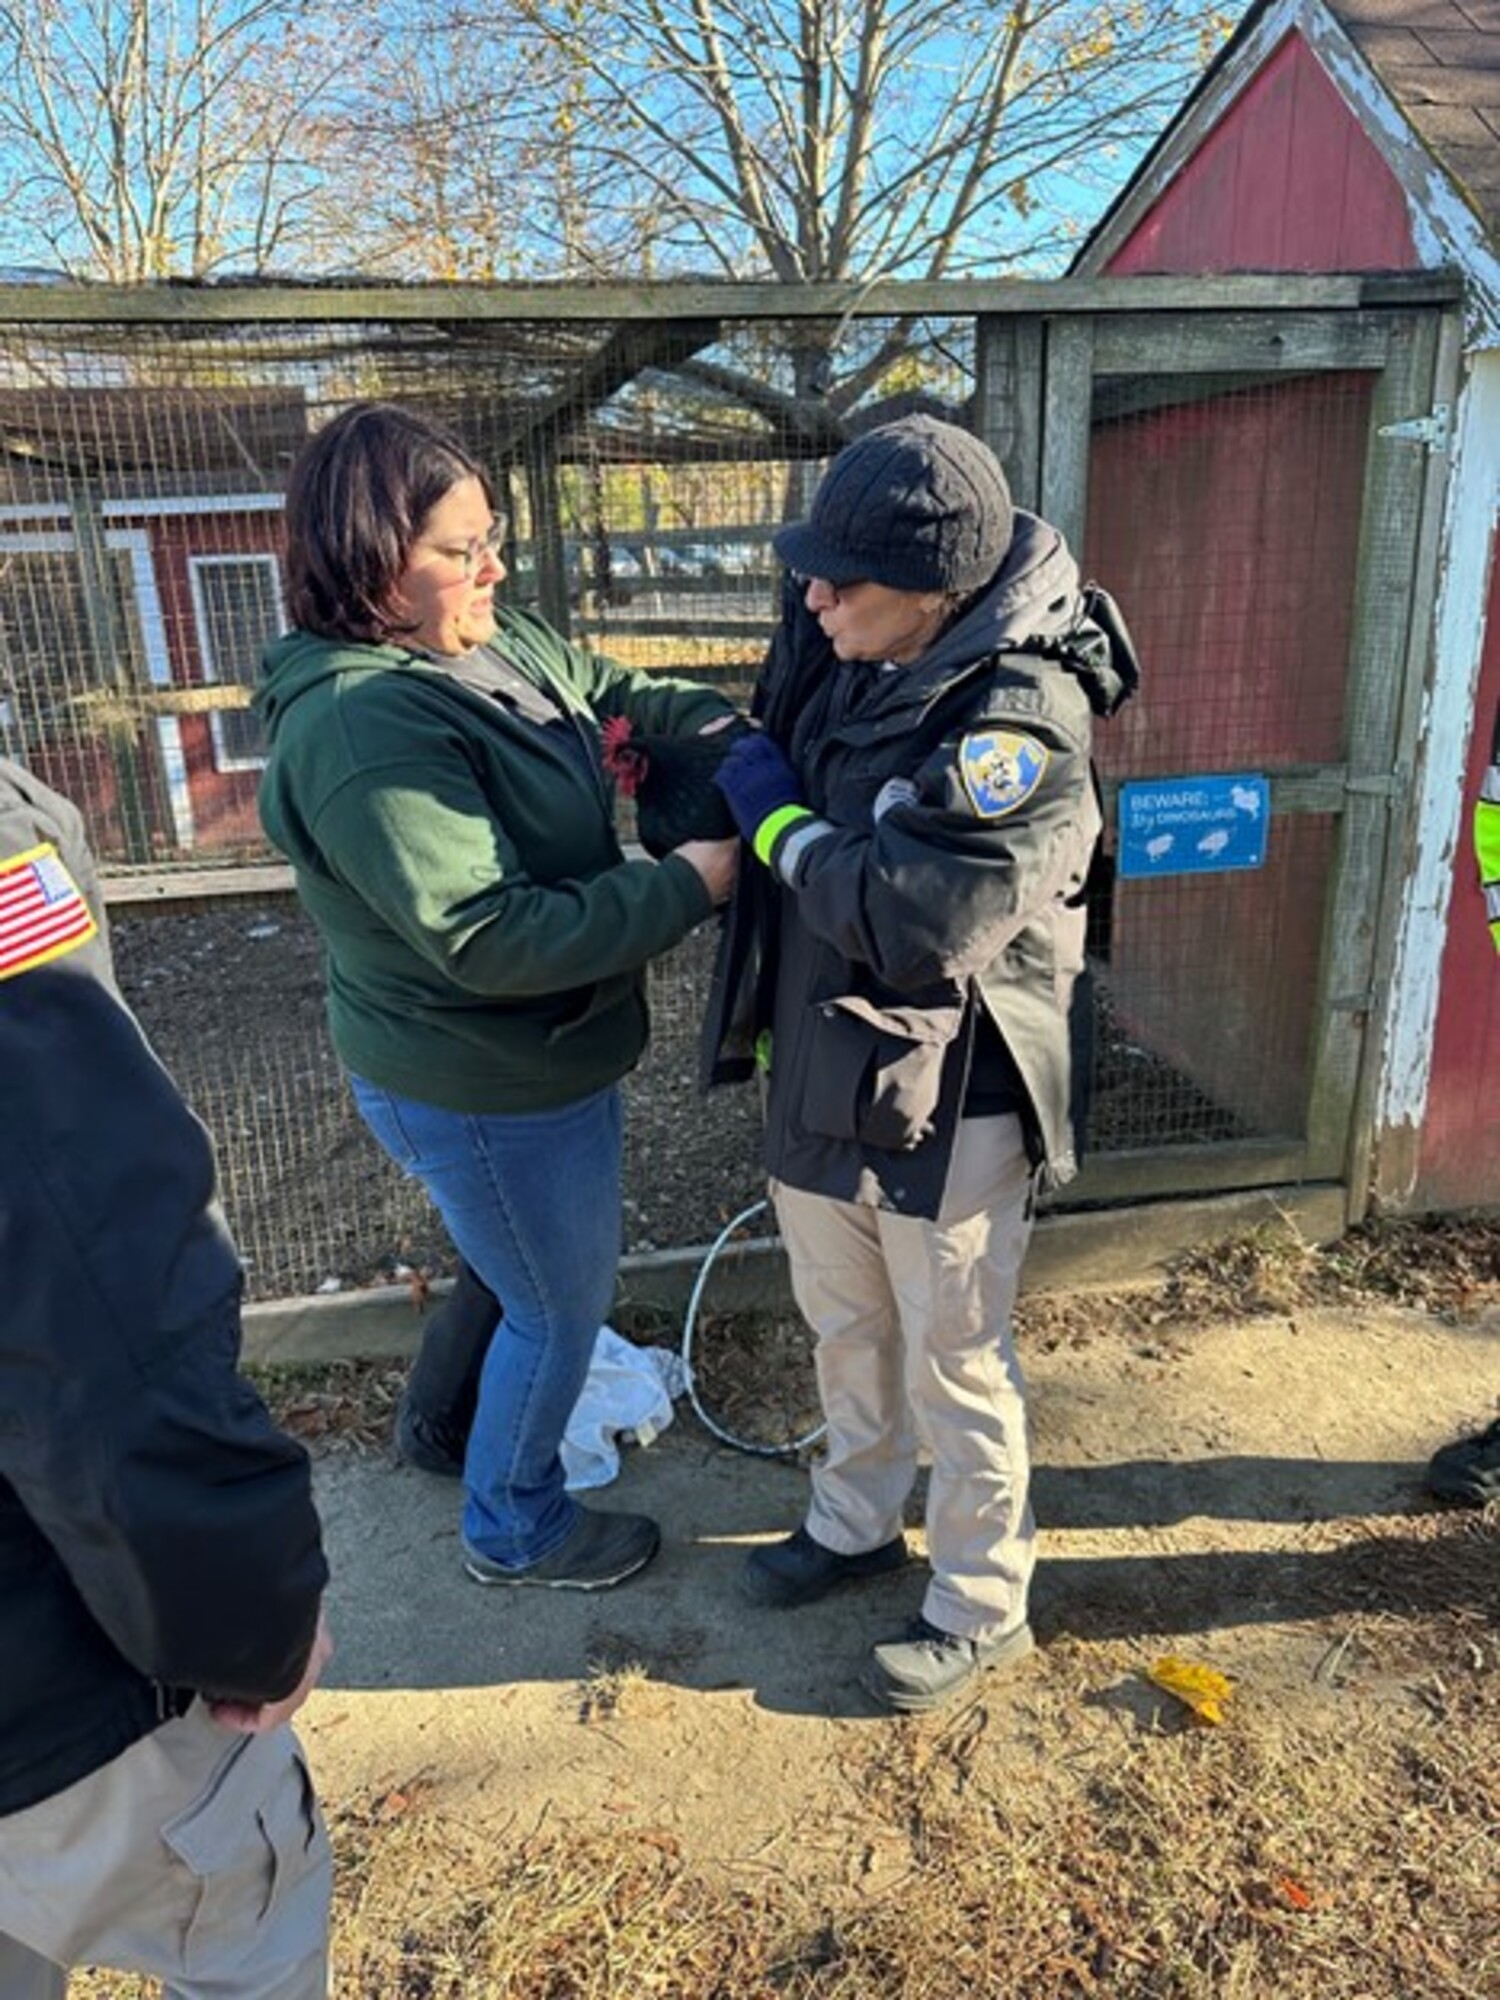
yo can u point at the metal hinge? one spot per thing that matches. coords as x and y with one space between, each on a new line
1433 431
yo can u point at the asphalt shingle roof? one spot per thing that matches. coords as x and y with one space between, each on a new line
1440 61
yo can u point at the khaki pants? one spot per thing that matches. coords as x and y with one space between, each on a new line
915 1347
197 1856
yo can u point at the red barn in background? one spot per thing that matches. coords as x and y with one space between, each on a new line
1329 135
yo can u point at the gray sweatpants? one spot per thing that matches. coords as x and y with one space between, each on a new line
197 1856
913 1320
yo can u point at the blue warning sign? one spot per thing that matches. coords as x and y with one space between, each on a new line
1193 826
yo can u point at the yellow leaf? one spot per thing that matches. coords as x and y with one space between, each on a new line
1201 1688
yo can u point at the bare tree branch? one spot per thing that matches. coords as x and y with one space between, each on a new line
159 137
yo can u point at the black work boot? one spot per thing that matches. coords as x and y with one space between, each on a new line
800 1570
429 1443
1467 1471
437 1409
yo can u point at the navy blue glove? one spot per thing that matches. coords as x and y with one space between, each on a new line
764 792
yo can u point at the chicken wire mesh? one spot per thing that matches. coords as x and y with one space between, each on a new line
645 466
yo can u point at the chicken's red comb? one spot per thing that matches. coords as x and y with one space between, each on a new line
624 760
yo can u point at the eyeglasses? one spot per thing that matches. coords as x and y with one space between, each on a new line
839 591
472 553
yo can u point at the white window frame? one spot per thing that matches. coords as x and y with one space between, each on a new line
220 559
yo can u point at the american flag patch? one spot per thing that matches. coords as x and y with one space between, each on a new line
42 911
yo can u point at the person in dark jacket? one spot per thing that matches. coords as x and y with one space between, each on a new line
907 959
435 780
161 1566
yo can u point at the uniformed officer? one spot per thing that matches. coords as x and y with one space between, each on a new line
923 804
161 1567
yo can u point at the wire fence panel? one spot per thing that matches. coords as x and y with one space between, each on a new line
644 466
1228 525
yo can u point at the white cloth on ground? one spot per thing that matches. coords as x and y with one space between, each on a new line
627 1399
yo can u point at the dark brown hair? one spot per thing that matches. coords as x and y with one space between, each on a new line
358 494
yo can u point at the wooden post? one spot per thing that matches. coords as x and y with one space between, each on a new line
113 668
547 545
1008 400
1066 421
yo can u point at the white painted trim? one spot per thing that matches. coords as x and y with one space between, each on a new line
150 510
195 503
1447 722
34 511
159 672
221 559
136 543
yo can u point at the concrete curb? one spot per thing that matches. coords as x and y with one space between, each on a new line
1115 1247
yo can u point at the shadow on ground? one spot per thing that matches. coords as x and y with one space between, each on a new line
407 1617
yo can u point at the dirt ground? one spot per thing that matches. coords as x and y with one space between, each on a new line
1218 1494
660 1791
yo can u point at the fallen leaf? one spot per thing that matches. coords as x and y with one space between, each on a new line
1200 1688
1296 1895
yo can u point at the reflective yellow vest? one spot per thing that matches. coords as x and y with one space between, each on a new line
1487 835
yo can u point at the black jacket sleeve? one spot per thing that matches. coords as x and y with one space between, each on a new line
936 889
183 1518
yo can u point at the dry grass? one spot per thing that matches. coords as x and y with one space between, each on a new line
1445 1265
1266 1858
1333 1841
1343 1852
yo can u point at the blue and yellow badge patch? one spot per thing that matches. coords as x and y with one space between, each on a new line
1001 769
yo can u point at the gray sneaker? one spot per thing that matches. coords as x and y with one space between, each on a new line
799 1570
928 1668
599 1550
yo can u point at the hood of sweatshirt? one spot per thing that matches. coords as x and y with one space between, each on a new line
301 661
1036 604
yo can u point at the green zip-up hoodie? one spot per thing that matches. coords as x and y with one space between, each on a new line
486 937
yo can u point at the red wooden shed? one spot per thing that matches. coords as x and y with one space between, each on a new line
1356 136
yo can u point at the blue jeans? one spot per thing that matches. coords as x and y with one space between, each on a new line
532 1202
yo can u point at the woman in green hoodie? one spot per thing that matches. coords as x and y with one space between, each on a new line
435 780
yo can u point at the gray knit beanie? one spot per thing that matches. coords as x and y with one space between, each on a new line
917 505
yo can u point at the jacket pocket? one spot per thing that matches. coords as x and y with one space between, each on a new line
250 1840
875 1073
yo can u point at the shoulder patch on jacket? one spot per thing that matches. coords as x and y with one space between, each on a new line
42 910
1001 769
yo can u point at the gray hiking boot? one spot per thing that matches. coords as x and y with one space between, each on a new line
800 1570
599 1550
927 1668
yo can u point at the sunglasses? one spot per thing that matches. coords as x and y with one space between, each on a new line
839 590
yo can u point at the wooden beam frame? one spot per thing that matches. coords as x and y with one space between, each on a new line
959 298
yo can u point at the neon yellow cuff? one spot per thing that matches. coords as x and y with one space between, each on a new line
773 826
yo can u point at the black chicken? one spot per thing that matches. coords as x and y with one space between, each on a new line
670 780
